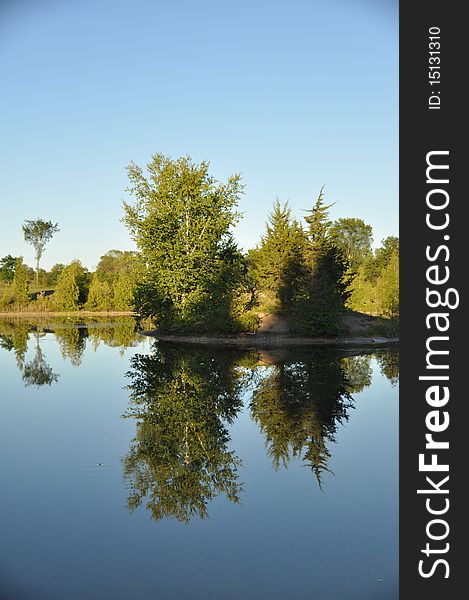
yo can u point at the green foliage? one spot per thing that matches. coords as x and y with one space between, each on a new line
278 264
302 275
375 289
124 288
354 237
319 311
7 268
53 276
100 296
388 287
318 220
72 287
37 233
19 286
181 222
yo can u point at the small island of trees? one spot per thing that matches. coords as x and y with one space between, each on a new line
189 276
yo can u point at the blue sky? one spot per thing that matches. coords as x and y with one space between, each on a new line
293 95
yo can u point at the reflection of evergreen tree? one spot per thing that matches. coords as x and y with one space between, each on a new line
19 340
72 342
179 459
37 372
298 404
14 336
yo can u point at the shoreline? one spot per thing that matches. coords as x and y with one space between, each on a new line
71 313
270 340
261 340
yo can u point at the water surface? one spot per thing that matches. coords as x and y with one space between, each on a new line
134 469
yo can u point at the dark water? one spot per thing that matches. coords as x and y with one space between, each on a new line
135 470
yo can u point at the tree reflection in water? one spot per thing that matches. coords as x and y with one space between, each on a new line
71 335
183 399
298 405
37 372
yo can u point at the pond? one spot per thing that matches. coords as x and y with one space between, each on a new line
135 469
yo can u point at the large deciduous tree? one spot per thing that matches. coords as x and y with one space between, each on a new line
37 233
181 222
354 237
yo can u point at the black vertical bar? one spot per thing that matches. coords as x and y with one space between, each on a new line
432 120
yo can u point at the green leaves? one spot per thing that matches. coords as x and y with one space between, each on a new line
181 221
38 233
302 274
72 287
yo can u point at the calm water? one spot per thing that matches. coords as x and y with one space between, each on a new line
132 469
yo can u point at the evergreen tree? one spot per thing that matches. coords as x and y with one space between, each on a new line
318 221
19 286
100 296
318 311
123 290
72 287
279 263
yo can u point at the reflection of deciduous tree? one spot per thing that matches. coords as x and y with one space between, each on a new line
37 372
179 459
15 336
358 371
121 335
298 404
389 364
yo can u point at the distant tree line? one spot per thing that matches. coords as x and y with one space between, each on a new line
72 287
189 275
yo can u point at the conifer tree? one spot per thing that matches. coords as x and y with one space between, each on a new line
100 295
279 262
72 287
20 287
123 290
318 311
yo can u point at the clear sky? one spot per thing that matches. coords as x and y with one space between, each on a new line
293 95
